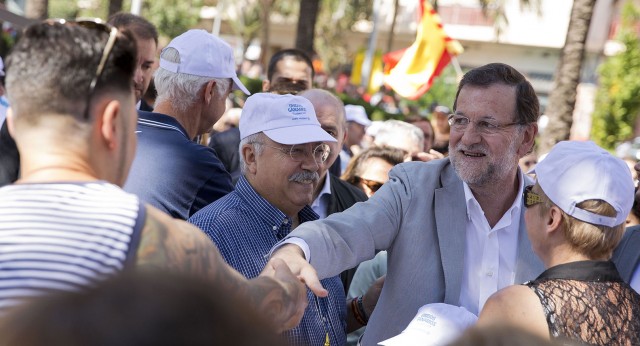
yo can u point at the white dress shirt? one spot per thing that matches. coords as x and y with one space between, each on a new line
490 253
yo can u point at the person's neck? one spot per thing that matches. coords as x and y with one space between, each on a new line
564 254
56 171
497 197
189 120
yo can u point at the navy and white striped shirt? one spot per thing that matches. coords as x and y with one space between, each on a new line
245 227
64 236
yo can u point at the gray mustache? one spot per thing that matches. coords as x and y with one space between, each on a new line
305 176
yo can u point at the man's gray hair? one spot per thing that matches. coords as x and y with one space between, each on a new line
182 89
256 140
392 129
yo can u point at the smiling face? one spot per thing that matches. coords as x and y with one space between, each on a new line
488 158
286 184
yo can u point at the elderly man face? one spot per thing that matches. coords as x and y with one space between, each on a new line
286 174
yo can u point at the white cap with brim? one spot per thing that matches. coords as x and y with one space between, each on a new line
205 55
357 114
574 172
435 324
286 119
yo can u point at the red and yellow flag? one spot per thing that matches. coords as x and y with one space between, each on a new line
412 75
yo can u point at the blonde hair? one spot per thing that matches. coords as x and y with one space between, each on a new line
593 241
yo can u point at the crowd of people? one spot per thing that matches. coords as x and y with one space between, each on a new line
127 220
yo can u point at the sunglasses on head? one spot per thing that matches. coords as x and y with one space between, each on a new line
530 198
93 24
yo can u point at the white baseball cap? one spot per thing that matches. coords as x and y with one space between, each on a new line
575 171
286 119
205 55
435 324
357 114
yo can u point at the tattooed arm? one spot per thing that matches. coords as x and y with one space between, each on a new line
175 245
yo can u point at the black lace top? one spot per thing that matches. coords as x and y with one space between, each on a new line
587 302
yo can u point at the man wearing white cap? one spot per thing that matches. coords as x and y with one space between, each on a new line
170 171
281 151
575 217
357 122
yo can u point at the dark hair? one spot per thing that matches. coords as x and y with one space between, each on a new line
293 53
139 27
52 65
527 105
138 308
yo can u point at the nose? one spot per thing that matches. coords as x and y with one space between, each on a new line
309 162
471 135
137 77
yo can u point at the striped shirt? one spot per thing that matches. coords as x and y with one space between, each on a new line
245 227
64 236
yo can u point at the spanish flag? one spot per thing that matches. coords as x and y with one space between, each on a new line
412 75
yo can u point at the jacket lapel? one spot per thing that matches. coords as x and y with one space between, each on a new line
451 216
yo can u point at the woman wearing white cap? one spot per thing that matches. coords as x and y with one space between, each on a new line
575 217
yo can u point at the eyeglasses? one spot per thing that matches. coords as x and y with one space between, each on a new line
94 24
298 152
371 184
460 123
530 198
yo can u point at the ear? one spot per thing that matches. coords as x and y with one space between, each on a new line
266 85
250 158
553 220
528 139
107 123
208 91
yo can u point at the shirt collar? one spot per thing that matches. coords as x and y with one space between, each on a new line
159 120
472 203
326 190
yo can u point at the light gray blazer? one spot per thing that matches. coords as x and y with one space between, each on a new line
419 216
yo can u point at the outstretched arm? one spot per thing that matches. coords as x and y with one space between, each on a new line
293 256
170 244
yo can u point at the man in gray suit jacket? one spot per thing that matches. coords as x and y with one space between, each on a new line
453 228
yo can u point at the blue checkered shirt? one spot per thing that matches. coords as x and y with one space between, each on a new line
245 227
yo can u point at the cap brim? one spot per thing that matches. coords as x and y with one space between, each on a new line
299 134
237 85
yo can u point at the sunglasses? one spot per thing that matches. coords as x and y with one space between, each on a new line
530 198
93 24
372 184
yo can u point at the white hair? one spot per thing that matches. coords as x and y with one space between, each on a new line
256 141
182 89
390 130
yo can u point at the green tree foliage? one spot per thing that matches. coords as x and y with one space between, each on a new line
617 101
171 17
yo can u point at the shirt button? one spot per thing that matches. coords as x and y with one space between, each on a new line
489 273
285 221
275 228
